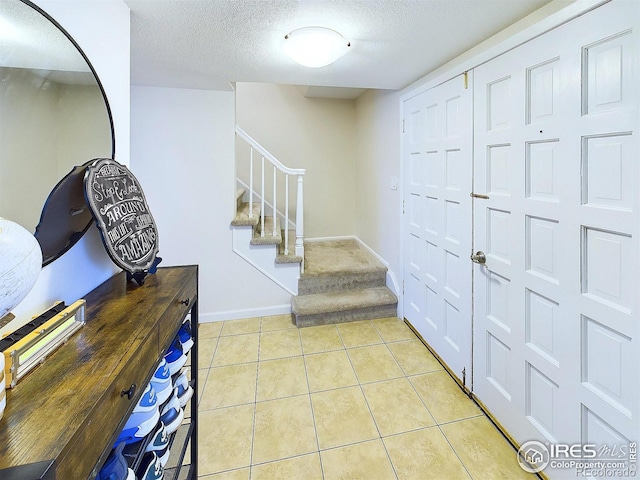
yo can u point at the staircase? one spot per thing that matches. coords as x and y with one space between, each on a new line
342 282
244 219
331 281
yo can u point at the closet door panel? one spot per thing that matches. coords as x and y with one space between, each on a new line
556 343
437 274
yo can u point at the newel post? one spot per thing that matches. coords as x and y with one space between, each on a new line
300 218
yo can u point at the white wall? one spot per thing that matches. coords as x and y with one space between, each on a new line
182 152
102 29
378 206
312 133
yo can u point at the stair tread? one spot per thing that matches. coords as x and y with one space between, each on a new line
242 216
339 257
354 271
269 238
290 258
342 301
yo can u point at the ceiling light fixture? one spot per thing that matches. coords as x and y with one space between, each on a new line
315 46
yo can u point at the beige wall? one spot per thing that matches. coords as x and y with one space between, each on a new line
351 150
316 134
378 206
28 156
84 130
46 128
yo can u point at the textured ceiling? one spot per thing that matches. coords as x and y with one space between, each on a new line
206 44
29 40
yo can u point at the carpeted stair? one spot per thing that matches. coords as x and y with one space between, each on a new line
342 282
243 219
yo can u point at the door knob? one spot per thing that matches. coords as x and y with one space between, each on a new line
479 257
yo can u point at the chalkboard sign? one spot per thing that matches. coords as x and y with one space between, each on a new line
126 225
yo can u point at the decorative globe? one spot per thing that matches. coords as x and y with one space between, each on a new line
3 395
20 264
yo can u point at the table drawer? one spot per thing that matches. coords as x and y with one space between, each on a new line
113 408
176 311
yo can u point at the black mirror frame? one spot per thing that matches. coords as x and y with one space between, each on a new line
76 238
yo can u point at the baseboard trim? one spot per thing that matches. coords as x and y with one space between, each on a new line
502 430
392 280
238 245
462 386
244 313
492 418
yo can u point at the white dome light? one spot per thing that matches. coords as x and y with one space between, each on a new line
315 46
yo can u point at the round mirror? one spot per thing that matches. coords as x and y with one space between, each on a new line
54 116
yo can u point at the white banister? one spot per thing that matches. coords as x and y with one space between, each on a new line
275 197
286 214
262 202
300 218
251 185
262 151
278 167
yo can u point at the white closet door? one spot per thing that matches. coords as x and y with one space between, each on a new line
556 328
437 274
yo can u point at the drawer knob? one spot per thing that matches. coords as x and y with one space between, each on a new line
129 393
186 302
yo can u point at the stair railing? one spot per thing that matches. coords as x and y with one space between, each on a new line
286 171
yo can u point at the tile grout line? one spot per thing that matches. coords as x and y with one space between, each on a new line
405 376
313 417
230 337
346 351
333 388
268 462
455 452
368 406
252 465
436 424
255 403
204 383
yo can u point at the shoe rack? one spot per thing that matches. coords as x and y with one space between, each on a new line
63 417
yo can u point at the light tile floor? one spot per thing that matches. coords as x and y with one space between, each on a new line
361 400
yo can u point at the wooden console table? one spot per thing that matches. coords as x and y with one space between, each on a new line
63 418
